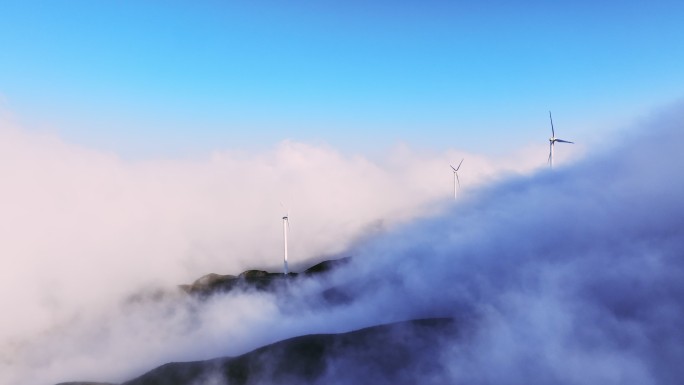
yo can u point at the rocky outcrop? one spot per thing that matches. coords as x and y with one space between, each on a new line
326 266
253 279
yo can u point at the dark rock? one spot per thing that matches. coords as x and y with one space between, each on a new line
326 266
211 283
252 279
254 274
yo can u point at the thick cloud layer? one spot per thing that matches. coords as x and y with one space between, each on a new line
573 276
82 230
568 276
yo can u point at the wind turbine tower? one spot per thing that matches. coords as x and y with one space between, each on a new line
286 227
456 180
553 140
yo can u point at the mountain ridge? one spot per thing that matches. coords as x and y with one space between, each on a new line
385 351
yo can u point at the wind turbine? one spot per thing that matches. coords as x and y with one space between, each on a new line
553 140
456 176
286 227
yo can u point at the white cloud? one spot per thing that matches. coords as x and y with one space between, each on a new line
81 229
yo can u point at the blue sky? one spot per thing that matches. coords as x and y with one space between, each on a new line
149 77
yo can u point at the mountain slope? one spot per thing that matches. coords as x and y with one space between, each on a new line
386 354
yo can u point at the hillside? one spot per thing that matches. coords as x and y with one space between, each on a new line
387 353
254 279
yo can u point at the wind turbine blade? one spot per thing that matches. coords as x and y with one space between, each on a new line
458 180
459 165
550 152
564 141
452 167
553 133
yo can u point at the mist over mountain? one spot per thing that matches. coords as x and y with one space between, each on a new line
572 276
397 353
93 246
569 276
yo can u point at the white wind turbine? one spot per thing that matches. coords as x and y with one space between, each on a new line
456 180
553 140
286 228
